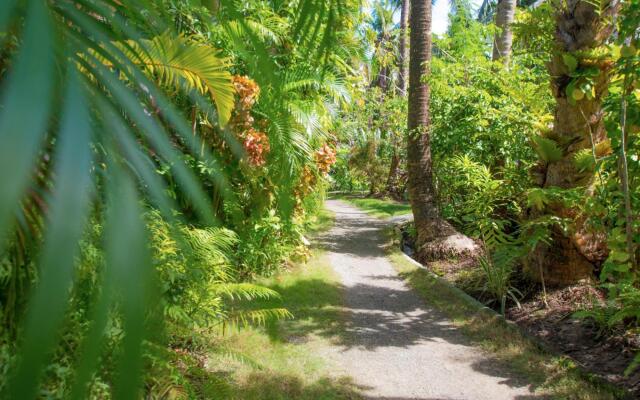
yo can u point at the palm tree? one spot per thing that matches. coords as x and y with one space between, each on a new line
419 166
435 237
384 56
403 56
578 86
403 50
503 39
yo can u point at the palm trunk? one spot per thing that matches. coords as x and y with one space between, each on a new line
504 38
419 166
383 80
578 125
394 169
404 50
435 238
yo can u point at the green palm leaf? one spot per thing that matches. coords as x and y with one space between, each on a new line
175 61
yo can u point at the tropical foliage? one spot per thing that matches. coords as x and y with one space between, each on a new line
183 147
544 181
159 157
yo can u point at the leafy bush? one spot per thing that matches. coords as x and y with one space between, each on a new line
484 206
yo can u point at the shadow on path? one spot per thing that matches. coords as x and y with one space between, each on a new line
390 340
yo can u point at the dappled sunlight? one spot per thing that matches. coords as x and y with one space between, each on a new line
385 322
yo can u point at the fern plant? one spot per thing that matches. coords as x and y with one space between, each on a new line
478 198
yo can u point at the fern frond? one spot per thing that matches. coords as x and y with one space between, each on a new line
537 198
237 356
216 243
257 317
584 160
246 291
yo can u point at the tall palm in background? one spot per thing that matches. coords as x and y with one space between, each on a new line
392 186
384 57
403 49
505 12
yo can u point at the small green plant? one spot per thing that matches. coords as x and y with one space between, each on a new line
621 310
497 277
600 315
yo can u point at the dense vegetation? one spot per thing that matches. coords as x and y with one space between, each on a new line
162 157
545 181
185 149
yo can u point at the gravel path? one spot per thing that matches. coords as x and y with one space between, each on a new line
396 346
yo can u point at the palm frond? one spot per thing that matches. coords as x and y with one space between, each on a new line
263 30
175 61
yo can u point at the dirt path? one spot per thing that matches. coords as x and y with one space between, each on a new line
397 347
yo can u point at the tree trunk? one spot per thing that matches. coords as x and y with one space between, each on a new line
420 184
394 169
578 125
435 237
404 50
502 41
383 81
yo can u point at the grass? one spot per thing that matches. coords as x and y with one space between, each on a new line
553 376
283 360
380 208
289 352
320 222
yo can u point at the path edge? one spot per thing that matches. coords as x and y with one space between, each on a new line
392 234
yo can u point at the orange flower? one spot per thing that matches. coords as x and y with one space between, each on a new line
325 158
248 90
256 144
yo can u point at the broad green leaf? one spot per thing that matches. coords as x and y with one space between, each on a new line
6 10
68 210
158 138
618 256
570 61
129 265
24 116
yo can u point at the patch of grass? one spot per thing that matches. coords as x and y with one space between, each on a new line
320 222
553 376
284 360
380 208
288 354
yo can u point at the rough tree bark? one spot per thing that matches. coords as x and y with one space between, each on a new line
435 237
503 39
578 125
